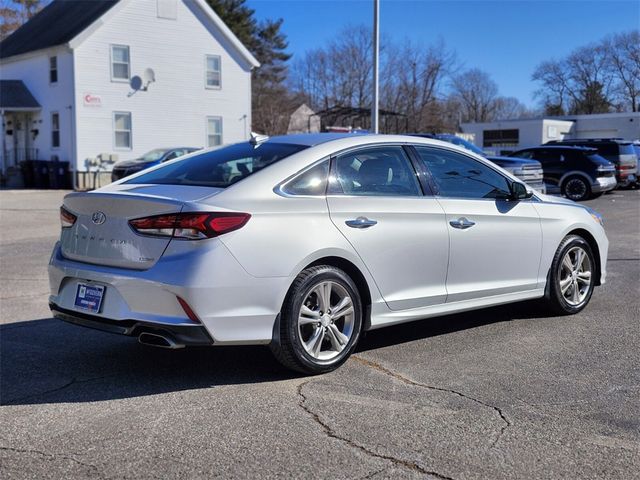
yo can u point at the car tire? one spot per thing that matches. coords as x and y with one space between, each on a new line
576 188
308 336
571 279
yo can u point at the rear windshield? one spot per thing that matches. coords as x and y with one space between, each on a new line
221 167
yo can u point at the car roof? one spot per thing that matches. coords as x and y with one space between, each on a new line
562 147
590 140
311 139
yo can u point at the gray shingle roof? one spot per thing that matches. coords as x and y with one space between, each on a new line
56 24
15 95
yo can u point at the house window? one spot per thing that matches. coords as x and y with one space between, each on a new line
119 62
214 131
53 69
122 130
55 129
213 79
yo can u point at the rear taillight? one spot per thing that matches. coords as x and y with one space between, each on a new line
190 226
67 219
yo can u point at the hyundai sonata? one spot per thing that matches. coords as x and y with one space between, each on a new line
304 242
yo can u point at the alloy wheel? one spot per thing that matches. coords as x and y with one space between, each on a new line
576 189
326 320
575 276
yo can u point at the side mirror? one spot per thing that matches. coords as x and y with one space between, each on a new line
519 191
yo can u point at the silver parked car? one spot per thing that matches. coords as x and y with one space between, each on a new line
304 242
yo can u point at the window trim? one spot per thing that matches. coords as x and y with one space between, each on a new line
206 70
346 151
206 130
57 70
55 147
113 126
486 163
111 62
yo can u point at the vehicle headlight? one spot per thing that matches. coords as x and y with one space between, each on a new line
596 216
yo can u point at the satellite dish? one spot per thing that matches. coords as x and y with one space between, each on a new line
148 76
135 83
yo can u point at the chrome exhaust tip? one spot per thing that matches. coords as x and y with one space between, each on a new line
158 340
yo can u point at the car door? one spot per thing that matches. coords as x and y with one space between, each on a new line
495 243
375 199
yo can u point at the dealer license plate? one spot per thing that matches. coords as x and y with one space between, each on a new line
89 297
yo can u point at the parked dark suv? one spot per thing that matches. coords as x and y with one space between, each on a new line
529 171
579 173
618 151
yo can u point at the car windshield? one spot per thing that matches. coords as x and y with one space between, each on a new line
221 167
462 143
154 155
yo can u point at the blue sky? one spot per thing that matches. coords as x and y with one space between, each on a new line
505 38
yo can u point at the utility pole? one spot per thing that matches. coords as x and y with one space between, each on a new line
376 52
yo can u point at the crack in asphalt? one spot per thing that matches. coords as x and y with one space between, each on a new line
376 366
52 456
73 381
332 434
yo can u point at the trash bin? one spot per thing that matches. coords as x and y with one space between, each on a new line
59 175
27 173
40 173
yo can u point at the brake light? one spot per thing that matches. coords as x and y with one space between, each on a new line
190 226
67 219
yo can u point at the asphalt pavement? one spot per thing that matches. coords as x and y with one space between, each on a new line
504 392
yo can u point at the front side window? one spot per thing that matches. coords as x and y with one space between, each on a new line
213 71
459 176
221 167
120 64
214 131
375 171
53 69
312 182
122 130
55 129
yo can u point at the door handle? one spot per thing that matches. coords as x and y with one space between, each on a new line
462 223
361 222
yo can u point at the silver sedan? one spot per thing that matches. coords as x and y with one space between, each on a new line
304 242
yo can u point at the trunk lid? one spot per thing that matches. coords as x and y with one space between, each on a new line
101 234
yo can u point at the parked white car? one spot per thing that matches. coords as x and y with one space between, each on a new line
304 242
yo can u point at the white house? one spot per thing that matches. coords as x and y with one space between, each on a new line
510 135
87 79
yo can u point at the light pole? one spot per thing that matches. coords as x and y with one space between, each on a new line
376 51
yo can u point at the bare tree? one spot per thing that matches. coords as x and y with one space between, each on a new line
554 92
476 93
594 78
16 12
412 79
623 55
338 74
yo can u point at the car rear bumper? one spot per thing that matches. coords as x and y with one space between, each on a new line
232 307
179 335
604 184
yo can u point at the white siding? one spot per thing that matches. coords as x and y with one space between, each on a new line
33 70
173 111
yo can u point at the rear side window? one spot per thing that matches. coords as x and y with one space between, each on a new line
311 182
525 154
221 167
459 176
375 171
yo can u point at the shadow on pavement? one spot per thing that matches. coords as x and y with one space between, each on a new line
49 361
